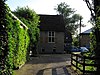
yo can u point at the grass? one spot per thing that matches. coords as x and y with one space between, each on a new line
87 68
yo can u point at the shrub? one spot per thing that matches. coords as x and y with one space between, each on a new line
18 42
31 19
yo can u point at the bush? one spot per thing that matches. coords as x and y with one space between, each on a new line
15 40
31 19
18 42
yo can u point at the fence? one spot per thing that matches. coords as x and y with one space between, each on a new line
86 65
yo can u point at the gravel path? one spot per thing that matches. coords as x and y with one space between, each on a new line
52 64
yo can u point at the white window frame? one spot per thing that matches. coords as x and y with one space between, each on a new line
51 37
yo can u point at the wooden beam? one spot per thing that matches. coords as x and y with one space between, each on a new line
22 24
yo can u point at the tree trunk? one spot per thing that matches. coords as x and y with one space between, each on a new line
97 32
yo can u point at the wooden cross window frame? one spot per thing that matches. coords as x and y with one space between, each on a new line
51 37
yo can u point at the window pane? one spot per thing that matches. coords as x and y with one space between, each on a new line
49 33
53 39
49 39
52 33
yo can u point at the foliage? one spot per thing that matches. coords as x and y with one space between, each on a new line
88 68
4 68
94 7
92 43
14 39
75 41
18 39
71 19
14 42
31 19
91 52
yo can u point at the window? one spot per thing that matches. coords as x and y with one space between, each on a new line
51 37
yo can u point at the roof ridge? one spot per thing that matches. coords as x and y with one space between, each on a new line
88 30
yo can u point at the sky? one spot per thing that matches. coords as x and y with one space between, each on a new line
47 7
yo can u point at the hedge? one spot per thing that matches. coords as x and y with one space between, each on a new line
18 41
31 19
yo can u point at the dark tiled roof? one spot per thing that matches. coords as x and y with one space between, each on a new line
51 23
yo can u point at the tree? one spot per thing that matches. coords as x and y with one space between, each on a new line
5 67
75 41
31 19
94 6
71 19
3 37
